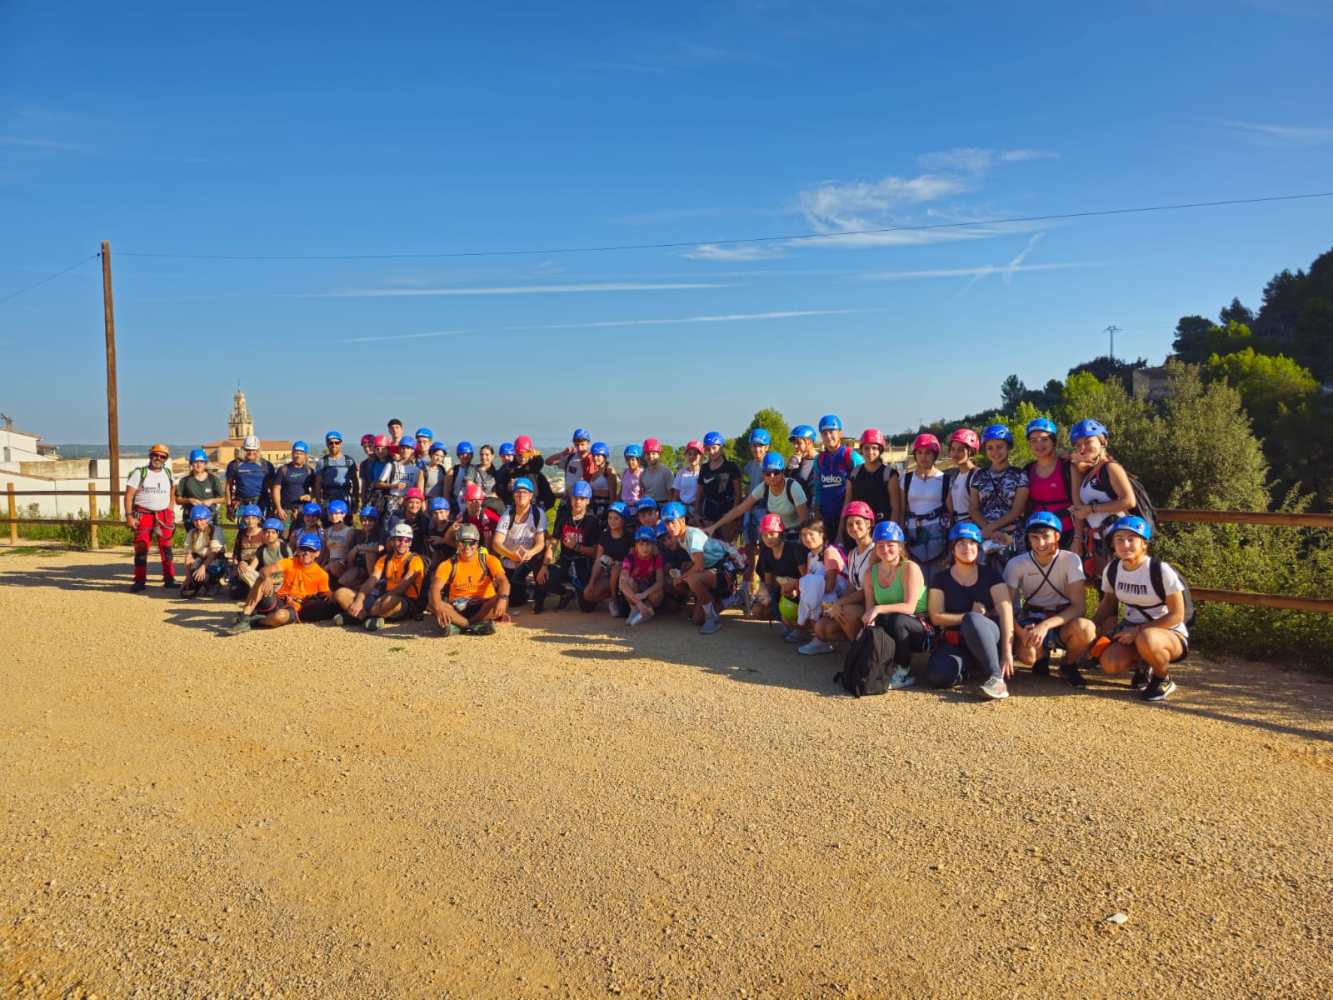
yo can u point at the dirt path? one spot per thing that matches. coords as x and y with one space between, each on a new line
572 808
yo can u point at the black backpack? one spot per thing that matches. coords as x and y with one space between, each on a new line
1143 505
868 664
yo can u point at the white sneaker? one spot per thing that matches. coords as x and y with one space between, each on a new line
995 688
814 647
634 617
902 678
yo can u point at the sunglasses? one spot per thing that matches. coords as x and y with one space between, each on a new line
466 545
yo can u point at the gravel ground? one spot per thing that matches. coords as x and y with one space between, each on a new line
572 808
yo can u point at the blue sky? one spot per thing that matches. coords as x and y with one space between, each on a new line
333 129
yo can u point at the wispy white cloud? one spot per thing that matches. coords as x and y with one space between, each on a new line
52 145
725 318
983 271
712 251
1295 135
968 159
604 286
1022 155
1016 264
402 336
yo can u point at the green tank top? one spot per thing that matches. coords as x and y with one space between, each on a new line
893 593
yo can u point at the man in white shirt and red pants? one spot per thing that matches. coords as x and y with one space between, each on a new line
150 504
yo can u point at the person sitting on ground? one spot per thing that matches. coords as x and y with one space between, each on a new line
926 492
520 540
339 539
648 514
894 590
712 573
676 564
476 513
434 477
367 548
999 497
779 567
603 480
1154 632
199 487
656 479
336 475
778 494
413 514
150 502
874 482
1046 585
248 478
719 488
310 517
612 548
245 551
274 550
293 485
969 603
302 595
822 583
642 578
436 545
391 592
963 444
577 533
469 591
842 618
205 553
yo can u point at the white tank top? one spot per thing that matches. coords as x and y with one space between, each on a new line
1088 493
923 495
961 495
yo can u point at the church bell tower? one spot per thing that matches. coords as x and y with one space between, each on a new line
239 424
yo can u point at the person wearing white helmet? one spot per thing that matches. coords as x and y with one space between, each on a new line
199 487
248 478
393 589
150 501
302 595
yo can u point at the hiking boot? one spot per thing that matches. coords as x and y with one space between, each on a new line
241 624
902 678
1158 688
374 624
484 628
168 582
635 617
1140 679
994 687
710 625
814 647
1071 673
138 586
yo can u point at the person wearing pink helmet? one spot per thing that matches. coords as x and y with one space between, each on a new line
963 444
685 485
527 462
656 478
926 502
842 618
476 513
373 484
874 482
412 513
779 568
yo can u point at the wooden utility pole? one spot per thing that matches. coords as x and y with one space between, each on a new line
112 405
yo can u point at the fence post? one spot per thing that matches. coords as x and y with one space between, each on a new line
13 516
92 516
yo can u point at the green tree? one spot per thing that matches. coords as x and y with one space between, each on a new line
1201 342
1104 367
771 419
1012 391
1269 385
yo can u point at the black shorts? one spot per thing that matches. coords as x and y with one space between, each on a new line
1028 618
317 609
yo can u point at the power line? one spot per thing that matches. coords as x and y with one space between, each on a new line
740 241
49 277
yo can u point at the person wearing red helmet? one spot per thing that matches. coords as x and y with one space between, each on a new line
528 462
476 513
398 475
363 467
963 444
842 618
685 485
926 502
656 478
373 486
150 512
875 483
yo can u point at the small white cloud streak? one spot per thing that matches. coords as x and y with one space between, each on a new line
402 336
1023 155
524 289
726 318
972 272
48 144
1017 263
1300 135
712 251
967 158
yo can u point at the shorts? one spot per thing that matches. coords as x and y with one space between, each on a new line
1034 616
467 606
1184 640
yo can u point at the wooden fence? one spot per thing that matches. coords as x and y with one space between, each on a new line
1322 605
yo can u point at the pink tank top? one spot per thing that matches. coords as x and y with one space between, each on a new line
1050 493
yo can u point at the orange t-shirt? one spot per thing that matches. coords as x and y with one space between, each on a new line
470 582
300 581
392 569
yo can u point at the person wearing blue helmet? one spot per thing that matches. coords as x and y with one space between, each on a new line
464 453
1154 632
339 538
1046 585
567 568
834 464
778 493
969 605
435 477
424 438
602 479
720 485
367 546
760 441
1050 476
293 484
520 541
801 465
631 480
1103 492
574 462
642 579
302 596
199 487
712 572
612 548
205 553
308 519
999 497
244 567
336 474
894 590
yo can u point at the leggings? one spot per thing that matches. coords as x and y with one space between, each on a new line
979 651
518 580
907 635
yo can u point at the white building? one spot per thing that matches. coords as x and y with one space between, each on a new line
28 464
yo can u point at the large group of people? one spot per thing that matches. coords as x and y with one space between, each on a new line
981 566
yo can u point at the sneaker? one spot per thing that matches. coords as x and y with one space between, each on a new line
1140 679
995 688
814 647
1158 688
138 586
565 598
484 628
902 678
793 635
339 619
710 625
241 624
634 618
374 624
732 600
450 630
1071 673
